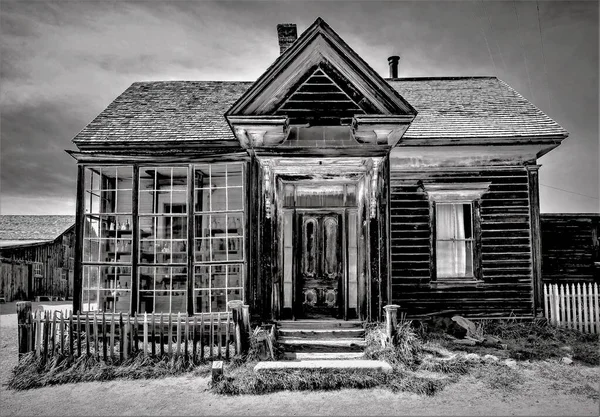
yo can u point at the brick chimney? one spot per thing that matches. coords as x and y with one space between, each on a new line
287 34
393 62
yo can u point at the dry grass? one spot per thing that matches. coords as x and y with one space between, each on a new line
31 372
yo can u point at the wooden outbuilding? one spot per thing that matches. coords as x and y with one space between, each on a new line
36 256
321 190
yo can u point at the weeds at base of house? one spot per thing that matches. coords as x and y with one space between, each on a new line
31 372
245 381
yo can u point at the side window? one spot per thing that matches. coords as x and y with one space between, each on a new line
454 222
454 242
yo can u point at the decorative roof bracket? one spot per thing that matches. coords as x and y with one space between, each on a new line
380 129
259 131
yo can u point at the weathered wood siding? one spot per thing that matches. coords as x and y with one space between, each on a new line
505 246
570 249
54 256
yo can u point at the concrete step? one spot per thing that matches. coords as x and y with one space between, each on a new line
336 333
302 356
294 344
319 324
355 364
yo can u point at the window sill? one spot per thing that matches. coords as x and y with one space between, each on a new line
451 283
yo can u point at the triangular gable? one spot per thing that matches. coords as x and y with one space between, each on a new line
318 80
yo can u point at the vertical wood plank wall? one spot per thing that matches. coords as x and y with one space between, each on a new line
16 270
570 249
506 267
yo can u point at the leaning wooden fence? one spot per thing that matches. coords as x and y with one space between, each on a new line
117 337
575 306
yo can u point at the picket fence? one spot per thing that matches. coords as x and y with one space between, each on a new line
116 337
573 305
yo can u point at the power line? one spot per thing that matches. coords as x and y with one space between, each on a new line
487 44
544 57
495 39
523 51
570 192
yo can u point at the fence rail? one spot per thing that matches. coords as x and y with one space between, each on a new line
116 337
575 306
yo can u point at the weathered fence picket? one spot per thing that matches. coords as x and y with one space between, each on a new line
573 306
115 337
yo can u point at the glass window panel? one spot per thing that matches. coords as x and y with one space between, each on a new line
95 203
218 300
202 250
202 301
162 302
201 176
235 246
124 203
179 301
124 178
467 221
218 277
235 224
218 175
146 202
180 179
234 175
234 294
218 199
202 199
234 198
202 276
218 225
234 276
146 300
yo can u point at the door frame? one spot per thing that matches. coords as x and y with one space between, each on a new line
297 254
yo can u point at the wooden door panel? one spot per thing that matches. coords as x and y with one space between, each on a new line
320 264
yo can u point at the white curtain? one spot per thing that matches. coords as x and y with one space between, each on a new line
451 254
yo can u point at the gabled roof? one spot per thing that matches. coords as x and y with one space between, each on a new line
18 230
193 111
319 48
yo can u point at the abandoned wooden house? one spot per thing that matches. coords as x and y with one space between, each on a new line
36 256
320 190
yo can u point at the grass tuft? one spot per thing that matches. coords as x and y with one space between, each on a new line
31 372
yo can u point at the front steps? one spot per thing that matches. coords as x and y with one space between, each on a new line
322 344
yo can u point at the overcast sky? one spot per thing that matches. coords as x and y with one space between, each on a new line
64 62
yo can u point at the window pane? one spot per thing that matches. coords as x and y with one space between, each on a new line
454 259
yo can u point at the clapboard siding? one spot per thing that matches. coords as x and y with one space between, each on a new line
570 250
506 264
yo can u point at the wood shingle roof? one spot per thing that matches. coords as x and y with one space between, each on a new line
15 229
183 111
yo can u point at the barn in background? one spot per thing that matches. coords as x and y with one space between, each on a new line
36 256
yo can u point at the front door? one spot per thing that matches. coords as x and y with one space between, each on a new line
320 267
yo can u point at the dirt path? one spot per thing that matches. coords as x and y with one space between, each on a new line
542 393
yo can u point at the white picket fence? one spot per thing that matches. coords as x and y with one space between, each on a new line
573 305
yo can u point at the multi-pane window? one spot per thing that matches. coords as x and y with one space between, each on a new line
163 214
454 240
38 270
107 240
218 235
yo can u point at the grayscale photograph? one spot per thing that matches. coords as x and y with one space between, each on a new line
272 207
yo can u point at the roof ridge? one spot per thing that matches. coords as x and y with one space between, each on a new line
444 78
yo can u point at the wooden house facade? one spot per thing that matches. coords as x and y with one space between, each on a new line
37 256
320 190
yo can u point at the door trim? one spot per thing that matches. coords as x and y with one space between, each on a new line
297 254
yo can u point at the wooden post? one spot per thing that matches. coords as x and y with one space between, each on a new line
78 333
227 337
194 343
246 321
46 335
103 336
24 325
135 348
153 336
170 336
162 335
62 333
54 332
568 306
235 306
202 337
121 338
597 308
391 320
178 338
112 335
71 333
585 310
212 335
96 347
87 334
219 335
145 333
217 371
186 336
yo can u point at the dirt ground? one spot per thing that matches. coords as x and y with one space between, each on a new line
544 392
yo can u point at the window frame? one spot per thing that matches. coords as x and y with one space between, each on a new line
456 193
